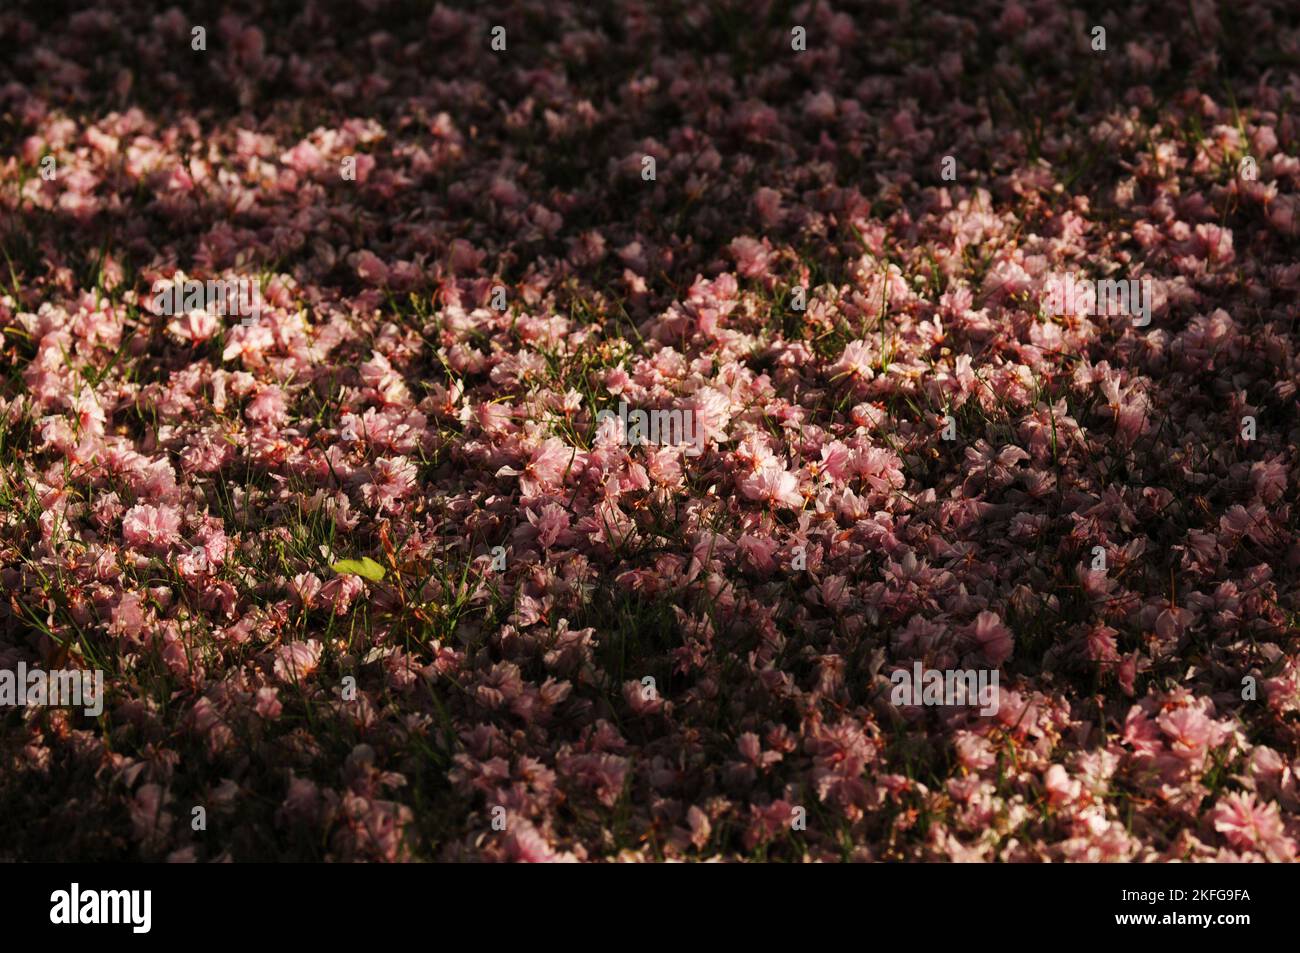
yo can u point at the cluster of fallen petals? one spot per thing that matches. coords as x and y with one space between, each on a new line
368 581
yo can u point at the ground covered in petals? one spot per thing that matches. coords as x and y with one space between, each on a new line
367 578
